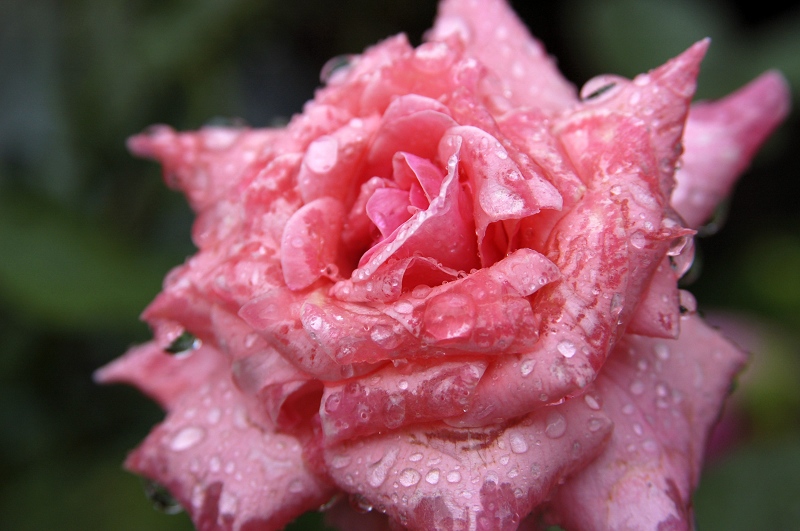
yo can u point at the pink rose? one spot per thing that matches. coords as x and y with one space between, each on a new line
448 290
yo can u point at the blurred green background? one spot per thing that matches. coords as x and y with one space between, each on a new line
87 232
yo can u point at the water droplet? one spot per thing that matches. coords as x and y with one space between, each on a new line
360 503
161 498
595 424
527 367
518 443
628 409
599 88
415 457
591 402
186 438
638 239
296 486
403 307
637 387
340 461
504 459
402 384
566 348
409 477
637 429
335 68
378 471
421 291
449 316
650 445
662 390
454 476
432 476
184 343
214 464
213 415
322 154
556 425
384 336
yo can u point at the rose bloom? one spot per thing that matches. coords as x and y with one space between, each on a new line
447 292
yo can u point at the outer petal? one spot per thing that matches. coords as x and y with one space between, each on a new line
664 396
720 140
229 469
492 33
437 477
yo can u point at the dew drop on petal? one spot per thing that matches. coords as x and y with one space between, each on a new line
591 402
518 444
454 476
186 438
432 476
566 348
409 477
556 425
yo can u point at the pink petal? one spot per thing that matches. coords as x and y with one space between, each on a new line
664 396
436 477
208 163
485 312
331 162
276 316
502 189
411 124
444 232
227 471
388 209
398 396
492 33
310 241
658 314
720 140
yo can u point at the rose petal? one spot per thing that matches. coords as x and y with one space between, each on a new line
310 241
720 140
486 312
501 189
664 396
444 232
276 317
388 209
658 314
397 396
437 477
494 35
226 471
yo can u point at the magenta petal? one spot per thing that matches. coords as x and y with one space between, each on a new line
720 140
436 477
493 34
664 396
227 471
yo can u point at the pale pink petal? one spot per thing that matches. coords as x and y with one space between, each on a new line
227 471
436 477
492 33
310 242
664 396
720 140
